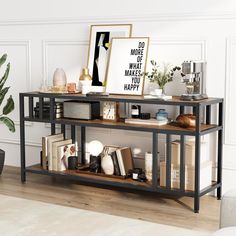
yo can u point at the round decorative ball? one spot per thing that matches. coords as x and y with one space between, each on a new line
95 147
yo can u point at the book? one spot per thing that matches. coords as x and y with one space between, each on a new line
63 152
115 163
50 140
125 160
45 149
55 145
111 148
151 121
158 97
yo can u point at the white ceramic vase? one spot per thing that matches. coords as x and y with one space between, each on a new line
59 78
107 164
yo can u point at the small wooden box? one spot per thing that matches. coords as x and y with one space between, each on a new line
205 176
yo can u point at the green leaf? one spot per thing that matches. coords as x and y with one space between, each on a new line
3 93
9 106
5 76
3 59
9 123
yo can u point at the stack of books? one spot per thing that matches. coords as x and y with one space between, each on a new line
55 152
58 110
151 121
122 160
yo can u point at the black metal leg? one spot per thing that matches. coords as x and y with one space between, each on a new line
208 114
168 161
197 160
197 175
83 141
220 152
182 163
40 108
53 128
181 110
154 159
22 139
73 133
31 107
52 115
63 130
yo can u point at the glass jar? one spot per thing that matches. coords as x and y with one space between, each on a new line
161 115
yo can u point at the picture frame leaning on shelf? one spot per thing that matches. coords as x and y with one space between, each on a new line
127 66
99 47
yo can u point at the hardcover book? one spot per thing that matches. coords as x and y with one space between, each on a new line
115 163
125 160
45 150
50 140
55 145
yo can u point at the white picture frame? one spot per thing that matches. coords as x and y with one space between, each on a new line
99 47
127 65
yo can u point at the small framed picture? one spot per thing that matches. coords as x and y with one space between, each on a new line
127 65
99 47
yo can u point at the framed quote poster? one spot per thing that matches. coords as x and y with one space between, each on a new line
127 64
99 47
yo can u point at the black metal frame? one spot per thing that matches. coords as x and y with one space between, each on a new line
198 108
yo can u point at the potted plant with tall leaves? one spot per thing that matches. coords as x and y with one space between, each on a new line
5 107
161 75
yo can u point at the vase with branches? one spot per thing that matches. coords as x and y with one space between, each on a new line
161 76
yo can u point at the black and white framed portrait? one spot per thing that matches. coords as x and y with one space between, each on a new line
99 47
127 65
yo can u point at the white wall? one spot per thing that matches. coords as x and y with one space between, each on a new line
42 35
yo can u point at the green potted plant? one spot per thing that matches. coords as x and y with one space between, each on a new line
161 76
5 108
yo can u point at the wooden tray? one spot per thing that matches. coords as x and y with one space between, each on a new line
100 174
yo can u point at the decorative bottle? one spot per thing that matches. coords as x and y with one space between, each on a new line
85 81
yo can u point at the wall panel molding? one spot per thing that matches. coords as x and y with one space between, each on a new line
191 16
230 166
180 41
47 44
229 101
17 142
27 45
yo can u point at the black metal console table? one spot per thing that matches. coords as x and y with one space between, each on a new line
201 108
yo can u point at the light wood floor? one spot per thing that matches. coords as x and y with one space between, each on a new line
148 207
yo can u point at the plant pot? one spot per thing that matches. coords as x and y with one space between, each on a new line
2 159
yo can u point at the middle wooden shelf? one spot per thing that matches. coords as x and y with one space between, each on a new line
172 127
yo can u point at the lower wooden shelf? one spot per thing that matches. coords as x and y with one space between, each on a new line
102 179
86 175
